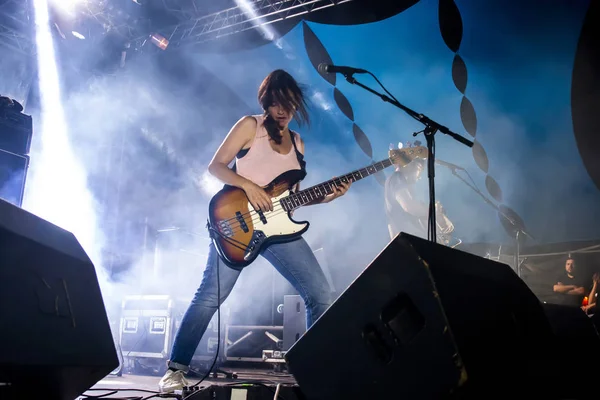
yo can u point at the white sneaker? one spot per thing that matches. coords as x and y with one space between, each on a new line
173 380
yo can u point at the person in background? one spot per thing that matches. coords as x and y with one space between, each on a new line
405 210
571 286
590 307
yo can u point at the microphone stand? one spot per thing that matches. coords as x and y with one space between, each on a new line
431 128
518 230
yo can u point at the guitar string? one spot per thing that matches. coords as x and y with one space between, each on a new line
276 211
251 213
237 226
254 212
232 240
242 246
255 216
336 181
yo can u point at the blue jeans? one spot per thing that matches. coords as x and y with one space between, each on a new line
294 260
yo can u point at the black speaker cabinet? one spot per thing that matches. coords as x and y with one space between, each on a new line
16 130
577 346
294 320
13 173
55 340
425 321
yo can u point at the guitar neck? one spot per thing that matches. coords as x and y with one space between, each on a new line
321 190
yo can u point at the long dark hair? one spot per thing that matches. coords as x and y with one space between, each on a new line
281 88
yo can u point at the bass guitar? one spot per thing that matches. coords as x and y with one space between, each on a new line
240 233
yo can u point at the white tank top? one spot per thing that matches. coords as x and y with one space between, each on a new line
262 164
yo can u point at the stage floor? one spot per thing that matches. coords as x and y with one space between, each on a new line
145 386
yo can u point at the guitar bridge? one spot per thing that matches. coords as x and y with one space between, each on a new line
225 228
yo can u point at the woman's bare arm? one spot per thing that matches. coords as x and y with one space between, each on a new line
239 136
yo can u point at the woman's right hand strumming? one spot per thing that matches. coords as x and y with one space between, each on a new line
259 199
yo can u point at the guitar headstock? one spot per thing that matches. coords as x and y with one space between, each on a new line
401 157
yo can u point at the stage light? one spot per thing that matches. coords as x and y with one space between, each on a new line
78 35
159 41
67 6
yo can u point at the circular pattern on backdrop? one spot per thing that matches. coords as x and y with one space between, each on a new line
493 188
467 112
317 53
507 224
585 93
451 29
459 73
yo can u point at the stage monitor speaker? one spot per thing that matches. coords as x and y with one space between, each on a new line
426 321
294 320
578 350
55 340
16 131
13 173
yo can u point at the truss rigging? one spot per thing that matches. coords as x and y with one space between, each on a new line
16 26
198 21
238 19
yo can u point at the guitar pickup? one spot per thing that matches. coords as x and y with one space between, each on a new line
263 219
242 222
225 228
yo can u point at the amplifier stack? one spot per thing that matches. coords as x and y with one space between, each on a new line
16 130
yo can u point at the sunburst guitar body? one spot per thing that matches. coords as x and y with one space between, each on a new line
240 233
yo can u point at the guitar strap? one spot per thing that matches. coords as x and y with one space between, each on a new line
299 155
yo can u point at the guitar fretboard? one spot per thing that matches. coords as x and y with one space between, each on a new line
321 190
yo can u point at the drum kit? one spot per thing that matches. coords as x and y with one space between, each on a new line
445 228
511 222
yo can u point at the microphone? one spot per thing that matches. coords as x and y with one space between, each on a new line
332 69
449 165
